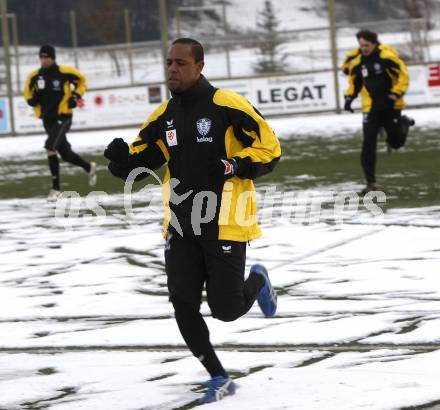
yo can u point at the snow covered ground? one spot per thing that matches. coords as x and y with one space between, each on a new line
85 321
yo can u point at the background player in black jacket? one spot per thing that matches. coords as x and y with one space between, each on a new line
214 143
49 90
383 78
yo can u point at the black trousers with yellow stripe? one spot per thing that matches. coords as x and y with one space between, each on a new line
192 263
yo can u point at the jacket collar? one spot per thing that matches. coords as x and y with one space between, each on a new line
52 69
199 89
373 55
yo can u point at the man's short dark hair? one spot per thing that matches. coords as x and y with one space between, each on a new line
368 35
47 51
197 48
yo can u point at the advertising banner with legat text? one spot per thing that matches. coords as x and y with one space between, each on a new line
280 95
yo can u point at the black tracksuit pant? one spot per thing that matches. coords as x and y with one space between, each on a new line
396 127
191 263
56 129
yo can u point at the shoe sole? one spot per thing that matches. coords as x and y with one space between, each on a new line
93 179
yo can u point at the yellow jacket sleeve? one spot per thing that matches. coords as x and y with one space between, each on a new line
259 149
349 57
29 87
76 78
355 81
147 149
398 72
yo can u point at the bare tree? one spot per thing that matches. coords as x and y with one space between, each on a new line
105 18
422 9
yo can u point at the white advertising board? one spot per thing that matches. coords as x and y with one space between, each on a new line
107 108
289 94
286 94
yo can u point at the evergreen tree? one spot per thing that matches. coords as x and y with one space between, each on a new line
271 60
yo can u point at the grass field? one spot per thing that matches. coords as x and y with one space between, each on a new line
410 177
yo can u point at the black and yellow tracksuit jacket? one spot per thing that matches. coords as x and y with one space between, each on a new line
191 132
48 90
381 73
355 52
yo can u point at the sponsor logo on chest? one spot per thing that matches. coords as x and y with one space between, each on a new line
56 85
377 68
203 127
171 137
41 84
364 71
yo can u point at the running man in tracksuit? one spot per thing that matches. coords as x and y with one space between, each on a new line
350 57
215 143
383 79
49 90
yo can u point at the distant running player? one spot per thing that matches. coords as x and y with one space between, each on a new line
49 90
383 78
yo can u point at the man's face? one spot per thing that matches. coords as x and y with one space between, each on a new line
367 47
45 61
183 70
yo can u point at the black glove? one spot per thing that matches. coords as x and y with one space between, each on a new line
120 171
117 151
223 169
36 98
33 101
347 104
123 169
391 99
73 100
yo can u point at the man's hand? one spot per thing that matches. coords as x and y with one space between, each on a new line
73 100
117 151
223 169
347 104
36 98
391 99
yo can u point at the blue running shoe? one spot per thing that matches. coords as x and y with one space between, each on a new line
267 297
218 387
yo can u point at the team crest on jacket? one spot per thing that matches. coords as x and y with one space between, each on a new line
378 68
203 126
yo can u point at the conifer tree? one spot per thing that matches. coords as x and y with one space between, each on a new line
271 60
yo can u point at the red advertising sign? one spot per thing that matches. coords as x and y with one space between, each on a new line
434 75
